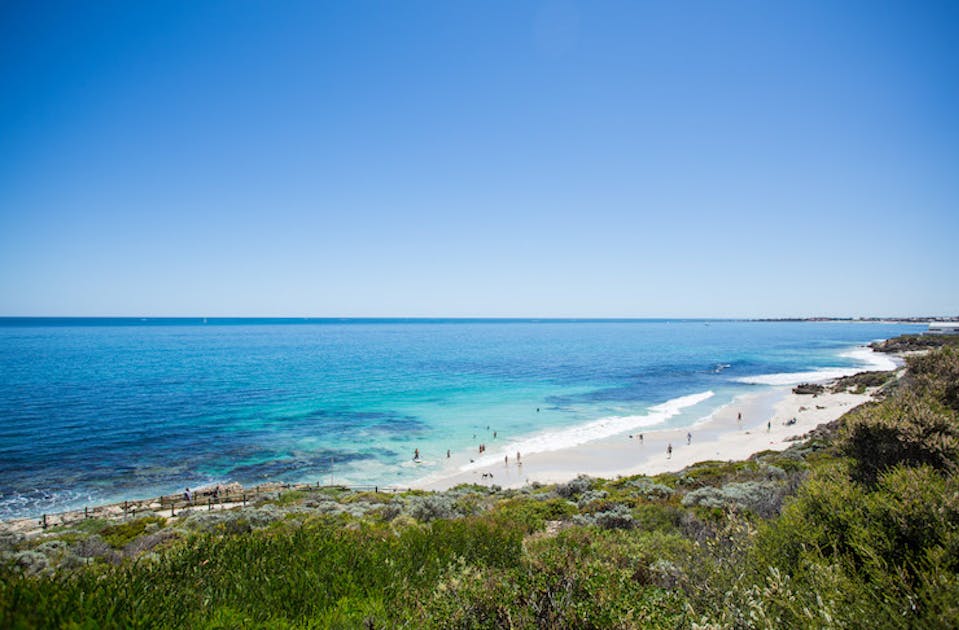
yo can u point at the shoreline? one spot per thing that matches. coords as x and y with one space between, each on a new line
605 454
718 437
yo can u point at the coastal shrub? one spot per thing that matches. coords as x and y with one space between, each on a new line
574 487
657 517
649 489
769 471
297 576
31 562
611 516
590 496
715 473
532 514
232 521
122 533
763 498
912 511
789 461
855 552
618 516
290 497
577 579
937 374
809 388
10 541
903 429
862 380
95 547
913 343
432 507
148 542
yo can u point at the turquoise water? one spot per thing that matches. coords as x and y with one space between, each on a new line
101 410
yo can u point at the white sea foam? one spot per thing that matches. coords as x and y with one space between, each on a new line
595 430
869 361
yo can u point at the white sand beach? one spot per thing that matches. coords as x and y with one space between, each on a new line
720 437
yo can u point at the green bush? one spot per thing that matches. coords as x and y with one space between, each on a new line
578 579
284 575
937 374
532 514
903 429
122 533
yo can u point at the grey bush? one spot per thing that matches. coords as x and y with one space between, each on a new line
650 489
233 521
146 543
575 486
589 496
761 497
10 541
617 517
31 562
94 547
431 507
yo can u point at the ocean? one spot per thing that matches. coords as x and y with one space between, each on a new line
102 410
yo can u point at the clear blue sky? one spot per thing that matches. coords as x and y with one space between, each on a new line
479 158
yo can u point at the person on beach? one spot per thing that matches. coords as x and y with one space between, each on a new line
640 438
494 435
769 426
188 496
689 438
517 458
506 460
669 451
416 454
447 453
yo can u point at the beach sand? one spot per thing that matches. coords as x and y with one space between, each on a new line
720 437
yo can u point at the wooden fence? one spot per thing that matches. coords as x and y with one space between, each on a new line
210 498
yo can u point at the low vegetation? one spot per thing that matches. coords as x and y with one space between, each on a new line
856 527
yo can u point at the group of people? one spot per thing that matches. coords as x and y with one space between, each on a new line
481 448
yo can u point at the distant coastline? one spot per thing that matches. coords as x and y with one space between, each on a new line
96 320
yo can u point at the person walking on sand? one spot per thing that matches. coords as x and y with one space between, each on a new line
640 438
669 451
689 438
769 426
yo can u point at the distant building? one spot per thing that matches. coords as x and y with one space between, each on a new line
943 328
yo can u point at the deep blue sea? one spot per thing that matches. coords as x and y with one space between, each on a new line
98 410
